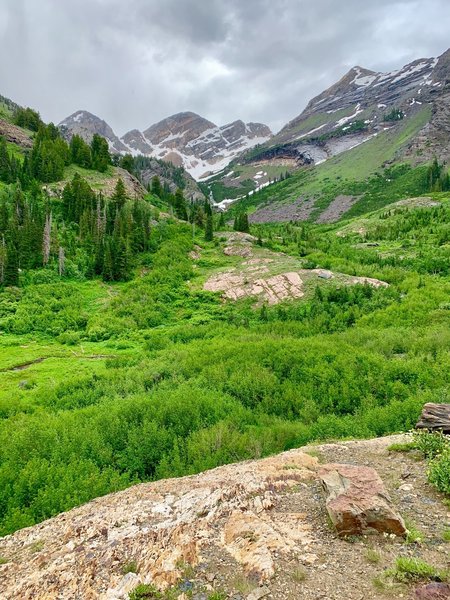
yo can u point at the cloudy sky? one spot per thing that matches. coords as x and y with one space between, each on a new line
134 62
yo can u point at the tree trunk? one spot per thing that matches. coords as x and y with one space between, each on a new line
435 417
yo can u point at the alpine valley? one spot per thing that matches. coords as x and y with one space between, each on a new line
224 353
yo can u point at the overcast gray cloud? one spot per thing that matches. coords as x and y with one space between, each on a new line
134 62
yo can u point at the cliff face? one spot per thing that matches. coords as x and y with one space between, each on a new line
250 530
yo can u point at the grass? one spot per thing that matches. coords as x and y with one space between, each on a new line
409 570
373 556
350 173
130 567
299 574
446 535
242 584
413 534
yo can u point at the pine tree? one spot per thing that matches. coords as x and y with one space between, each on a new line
209 230
127 163
119 197
156 188
11 270
101 157
179 205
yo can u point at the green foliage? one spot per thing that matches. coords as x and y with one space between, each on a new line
241 222
156 378
27 118
409 570
145 591
396 114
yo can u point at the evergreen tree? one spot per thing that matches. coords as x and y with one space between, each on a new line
179 205
127 163
119 197
101 157
156 188
209 230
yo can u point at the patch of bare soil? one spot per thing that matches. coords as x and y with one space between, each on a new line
334 211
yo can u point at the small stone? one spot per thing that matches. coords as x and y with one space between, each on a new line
258 593
406 487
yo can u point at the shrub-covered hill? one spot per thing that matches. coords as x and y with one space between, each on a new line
105 384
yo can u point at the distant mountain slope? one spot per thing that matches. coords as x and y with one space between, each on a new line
185 139
397 116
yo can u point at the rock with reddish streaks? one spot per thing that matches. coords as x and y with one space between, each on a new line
357 501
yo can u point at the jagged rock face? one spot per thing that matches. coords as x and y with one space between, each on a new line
364 96
185 139
178 130
86 124
197 144
136 141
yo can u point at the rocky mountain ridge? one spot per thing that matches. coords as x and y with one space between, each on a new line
185 139
363 104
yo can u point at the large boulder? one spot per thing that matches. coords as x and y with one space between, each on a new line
435 417
357 501
433 591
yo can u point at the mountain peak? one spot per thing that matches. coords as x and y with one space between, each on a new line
86 125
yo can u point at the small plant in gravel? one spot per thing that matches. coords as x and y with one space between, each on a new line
3 560
299 574
145 591
408 570
130 567
217 596
446 534
413 535
242 584
373 556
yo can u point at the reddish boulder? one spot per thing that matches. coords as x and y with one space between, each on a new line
357 501
433 591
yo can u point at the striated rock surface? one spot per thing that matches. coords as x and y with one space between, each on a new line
245 531
161 526
435 417
358 502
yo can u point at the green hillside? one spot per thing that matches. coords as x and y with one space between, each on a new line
109 383
369 171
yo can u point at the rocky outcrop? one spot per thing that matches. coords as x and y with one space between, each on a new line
357 501
245 531
435 417
433 591
15 135
162 526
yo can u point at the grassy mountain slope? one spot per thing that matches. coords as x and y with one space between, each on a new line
358 172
